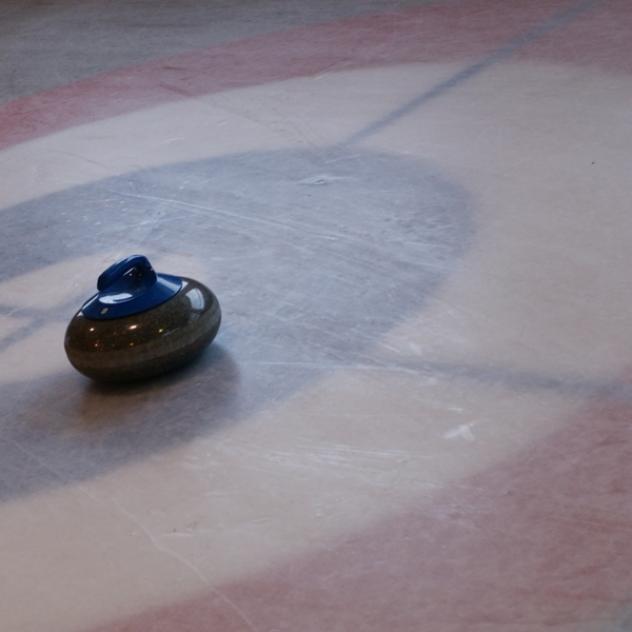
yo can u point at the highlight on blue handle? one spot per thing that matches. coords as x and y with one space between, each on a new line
135 267
128 287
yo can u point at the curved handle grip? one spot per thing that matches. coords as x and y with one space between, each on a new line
118 270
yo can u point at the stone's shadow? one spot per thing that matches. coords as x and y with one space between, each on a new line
75 429
314 255
115 403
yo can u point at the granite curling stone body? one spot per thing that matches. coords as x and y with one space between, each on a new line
140 323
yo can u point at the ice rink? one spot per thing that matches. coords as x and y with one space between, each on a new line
417 216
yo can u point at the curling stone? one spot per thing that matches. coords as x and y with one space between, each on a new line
140 324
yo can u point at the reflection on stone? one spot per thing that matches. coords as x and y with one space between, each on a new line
145 344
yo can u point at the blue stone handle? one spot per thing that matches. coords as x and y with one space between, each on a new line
120 271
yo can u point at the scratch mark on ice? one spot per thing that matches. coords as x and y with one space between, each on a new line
464 431
185 562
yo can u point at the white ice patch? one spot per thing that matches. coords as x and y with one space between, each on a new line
321 179
464 431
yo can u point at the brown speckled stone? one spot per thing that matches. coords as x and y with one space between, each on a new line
145 344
